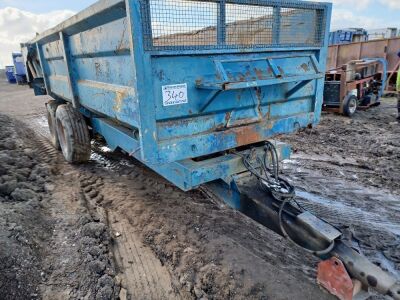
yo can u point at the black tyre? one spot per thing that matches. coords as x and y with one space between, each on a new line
73 134
350 105
51 107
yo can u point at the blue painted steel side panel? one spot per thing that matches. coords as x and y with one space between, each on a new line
19 64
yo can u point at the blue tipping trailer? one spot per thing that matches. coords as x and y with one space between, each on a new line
192 85
194 89
10 74
19 66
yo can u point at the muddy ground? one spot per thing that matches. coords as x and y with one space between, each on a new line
114 229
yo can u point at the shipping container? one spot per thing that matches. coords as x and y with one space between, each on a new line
346 36
382 33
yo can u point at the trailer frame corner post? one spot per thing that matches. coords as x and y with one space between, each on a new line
44 67
221 29
149 148
70 71
276 25
322 58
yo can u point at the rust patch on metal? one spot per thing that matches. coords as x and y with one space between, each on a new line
258 94
228 116
119 101
241 77
305 67
121 47
259 73
247 135
98 68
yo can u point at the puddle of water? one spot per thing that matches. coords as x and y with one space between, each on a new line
388 265
341 212
40 126
105 149
42 121
103 156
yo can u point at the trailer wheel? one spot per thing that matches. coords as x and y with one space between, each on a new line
73 134
51 107
350 105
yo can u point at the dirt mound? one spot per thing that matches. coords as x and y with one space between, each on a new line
49 248
23 227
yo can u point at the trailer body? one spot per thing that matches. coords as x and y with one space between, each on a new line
174 82
10 74
19 67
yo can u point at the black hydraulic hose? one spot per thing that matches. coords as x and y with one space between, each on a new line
287 236
280 189
275 158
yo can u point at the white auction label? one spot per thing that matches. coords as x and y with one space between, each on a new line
174 94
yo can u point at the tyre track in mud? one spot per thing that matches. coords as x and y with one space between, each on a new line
85 192
140 272
136 278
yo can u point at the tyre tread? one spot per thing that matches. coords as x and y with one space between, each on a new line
78 133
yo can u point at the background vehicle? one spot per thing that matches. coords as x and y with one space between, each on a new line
356 85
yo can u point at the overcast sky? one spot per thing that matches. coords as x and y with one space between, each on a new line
21 19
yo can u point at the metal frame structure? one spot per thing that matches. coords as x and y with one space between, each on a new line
387 49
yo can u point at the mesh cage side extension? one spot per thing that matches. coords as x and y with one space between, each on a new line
229 24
